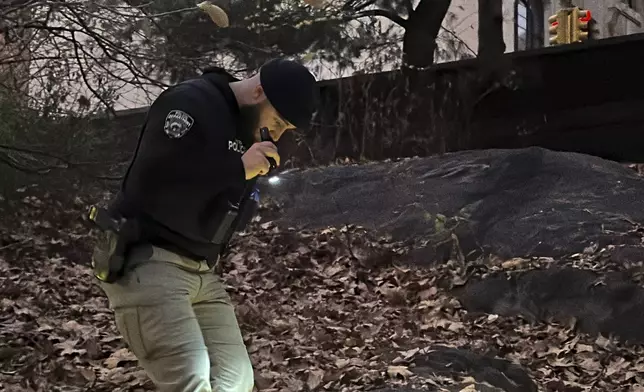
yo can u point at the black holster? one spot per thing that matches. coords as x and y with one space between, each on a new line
236 218
114 240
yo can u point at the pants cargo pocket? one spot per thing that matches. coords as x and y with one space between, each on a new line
128 323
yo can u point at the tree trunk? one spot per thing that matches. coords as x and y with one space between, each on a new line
421 29
491 44
494 67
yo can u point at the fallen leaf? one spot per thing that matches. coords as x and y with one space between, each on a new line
514 263
88 374
401 372
342 362
603 342
122 355
580 348
409 353
315 379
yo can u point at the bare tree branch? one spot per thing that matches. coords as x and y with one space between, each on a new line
457 38
391 15
86 80
14 165
364 5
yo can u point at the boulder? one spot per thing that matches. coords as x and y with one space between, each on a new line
526 202
476 372
597 302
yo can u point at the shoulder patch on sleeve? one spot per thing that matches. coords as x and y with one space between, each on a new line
177 124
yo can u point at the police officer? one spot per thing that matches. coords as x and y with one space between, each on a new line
198 152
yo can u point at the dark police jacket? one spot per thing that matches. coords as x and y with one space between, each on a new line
187 170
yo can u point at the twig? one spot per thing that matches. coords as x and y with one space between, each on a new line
16 243
346 233
389 14
11 163
593 385
86 80
457 38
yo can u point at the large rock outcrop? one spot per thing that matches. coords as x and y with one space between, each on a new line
528 202
579 214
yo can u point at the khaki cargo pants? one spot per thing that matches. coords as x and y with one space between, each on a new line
176 317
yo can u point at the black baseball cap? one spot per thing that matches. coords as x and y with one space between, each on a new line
291 88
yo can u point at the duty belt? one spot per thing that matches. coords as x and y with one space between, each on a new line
114 238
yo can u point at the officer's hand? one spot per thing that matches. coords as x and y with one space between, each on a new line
255 162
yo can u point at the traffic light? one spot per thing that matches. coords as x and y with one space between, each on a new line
559 28
580 20
571 25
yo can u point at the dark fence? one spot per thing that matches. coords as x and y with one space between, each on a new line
585 98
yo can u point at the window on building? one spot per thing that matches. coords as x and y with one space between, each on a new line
528 25
521 25
522 30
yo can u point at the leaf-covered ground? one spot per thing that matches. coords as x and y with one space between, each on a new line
333 310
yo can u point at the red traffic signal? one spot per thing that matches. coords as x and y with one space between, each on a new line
585 16
580 21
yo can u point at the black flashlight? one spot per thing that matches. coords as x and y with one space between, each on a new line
266 137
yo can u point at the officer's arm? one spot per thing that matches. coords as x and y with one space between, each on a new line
188 138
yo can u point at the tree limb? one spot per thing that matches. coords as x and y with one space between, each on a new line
457 38
14 165
364 5
86 80
391 15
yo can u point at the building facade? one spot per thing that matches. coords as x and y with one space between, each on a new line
525 22
612 18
